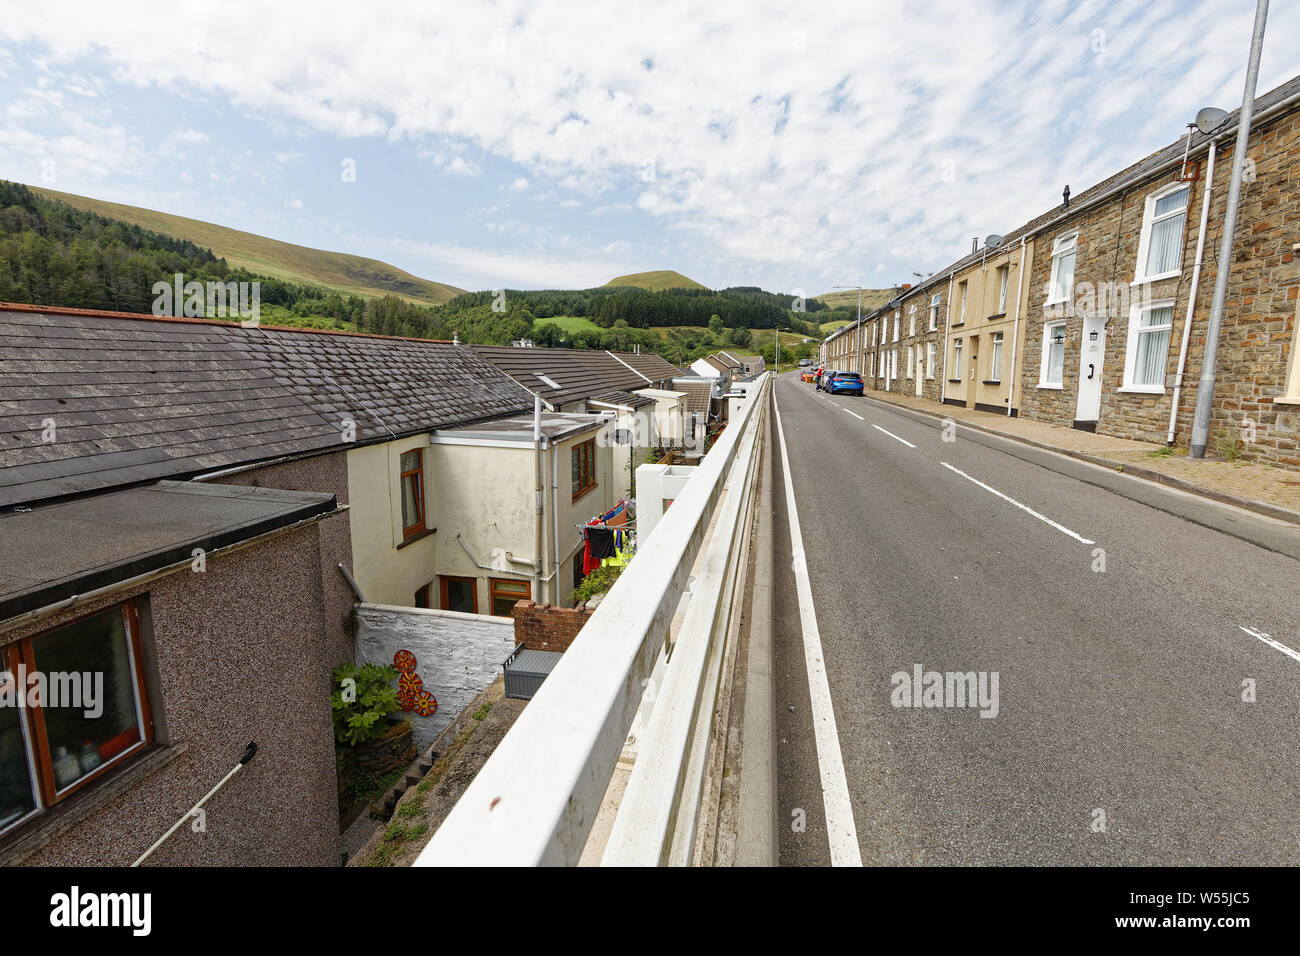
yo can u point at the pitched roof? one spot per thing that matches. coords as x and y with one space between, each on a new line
699 392
133 399
616 396
575 374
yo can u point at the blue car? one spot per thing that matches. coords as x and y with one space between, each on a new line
844 383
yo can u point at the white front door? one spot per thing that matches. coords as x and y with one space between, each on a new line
1091 354
920 375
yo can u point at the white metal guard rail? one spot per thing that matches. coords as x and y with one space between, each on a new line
536 798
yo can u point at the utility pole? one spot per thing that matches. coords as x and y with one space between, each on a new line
1205 387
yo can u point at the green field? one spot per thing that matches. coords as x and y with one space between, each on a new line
571 323
339 271
656 281
848 298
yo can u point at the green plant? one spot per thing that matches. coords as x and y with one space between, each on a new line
597 582
362 700
482 712
1228 444
1164 451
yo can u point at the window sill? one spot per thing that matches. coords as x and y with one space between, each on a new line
957 325
999 315
1051 386
1142 389
583 492
955 381
418 536
992 381
40 831
1144 280
1287 400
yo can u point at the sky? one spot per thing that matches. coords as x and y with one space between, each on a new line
553 144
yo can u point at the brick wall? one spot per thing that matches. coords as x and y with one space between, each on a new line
544 627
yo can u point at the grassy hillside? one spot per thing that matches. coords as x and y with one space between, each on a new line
848 298
656 281
570 323
338 271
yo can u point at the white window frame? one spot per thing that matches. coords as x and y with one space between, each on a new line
995 357
897 317
956 358
1131 346
961 319
1067 244
929 360
893 364
934 311
1043 381
1004 280
1148 224
909 363
911 322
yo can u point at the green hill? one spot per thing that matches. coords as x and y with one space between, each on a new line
848 298
656 281
339 271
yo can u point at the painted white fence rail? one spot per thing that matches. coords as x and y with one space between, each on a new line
536 798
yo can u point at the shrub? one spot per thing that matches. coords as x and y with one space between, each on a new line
362 700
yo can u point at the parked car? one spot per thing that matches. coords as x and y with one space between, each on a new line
844 383
808 375
822 374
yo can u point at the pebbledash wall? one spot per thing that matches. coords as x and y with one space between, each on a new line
233 654
1257 339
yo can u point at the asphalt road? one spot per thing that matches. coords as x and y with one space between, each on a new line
1121 735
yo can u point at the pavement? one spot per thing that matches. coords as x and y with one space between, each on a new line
1144 642
1255 486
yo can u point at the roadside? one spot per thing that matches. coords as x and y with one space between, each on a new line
1255 487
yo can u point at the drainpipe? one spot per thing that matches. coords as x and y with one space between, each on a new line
1015 329
1191 294
539 520
555 518
947 330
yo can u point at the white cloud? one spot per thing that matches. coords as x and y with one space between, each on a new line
804 140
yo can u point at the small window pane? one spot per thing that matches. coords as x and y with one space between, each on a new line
410 460
16 799
410 502
1171 202
1166 246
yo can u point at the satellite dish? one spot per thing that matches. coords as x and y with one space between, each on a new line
1210 118
993 241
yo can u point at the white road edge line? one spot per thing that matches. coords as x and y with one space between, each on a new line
841 831
855 415
1059 527
893 436
1271 643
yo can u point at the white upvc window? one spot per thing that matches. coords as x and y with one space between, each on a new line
929 360
995 359
1150 325
897 317
1051 373
956 358
1160 250
1004 274
911 321
893 363
962 317
909 363
1061 286
934 311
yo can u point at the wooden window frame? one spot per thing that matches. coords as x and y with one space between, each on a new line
493 594
422 593
586 457
418 526
35 736
442 590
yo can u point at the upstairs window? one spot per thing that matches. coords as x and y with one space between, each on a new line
911 321
962 316
1004 274
1061 285
412 467
583 462
1160 251
897 316
934 312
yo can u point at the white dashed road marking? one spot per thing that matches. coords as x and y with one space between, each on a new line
1026 508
